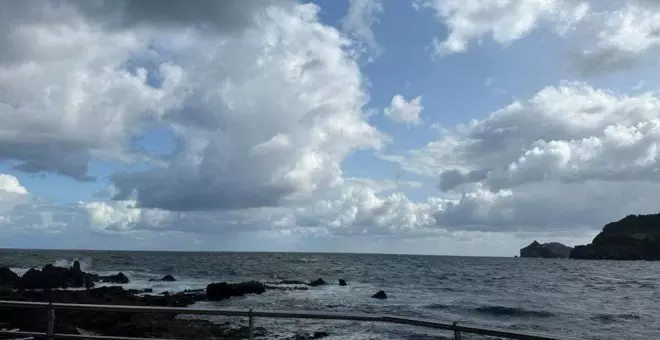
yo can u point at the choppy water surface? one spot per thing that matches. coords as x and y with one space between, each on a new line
584 299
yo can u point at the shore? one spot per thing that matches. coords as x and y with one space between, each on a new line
72 285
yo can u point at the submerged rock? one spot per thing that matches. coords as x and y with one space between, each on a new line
166 278
380 295
224 290
342 282
309 336
317 282
119 278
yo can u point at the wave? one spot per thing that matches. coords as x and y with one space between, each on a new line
437 306
512 311
85 263
610 318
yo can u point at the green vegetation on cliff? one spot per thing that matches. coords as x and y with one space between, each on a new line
635 237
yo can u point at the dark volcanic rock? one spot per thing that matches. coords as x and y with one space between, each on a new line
380 295
8 278
317 282
119 278
166 278
118 324
309 336
635 237
50 277
224 290
342 282
291 282
553 250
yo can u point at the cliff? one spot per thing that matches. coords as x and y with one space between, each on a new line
553 250
635 237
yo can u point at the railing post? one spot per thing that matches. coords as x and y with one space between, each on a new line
51 321
457 334
250 325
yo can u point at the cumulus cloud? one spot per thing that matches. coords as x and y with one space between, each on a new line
264 106
404 111
358 22
571 132
12 193
503 21
625 37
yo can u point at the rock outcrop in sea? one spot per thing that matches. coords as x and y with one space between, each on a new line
635 237
552 250
50 283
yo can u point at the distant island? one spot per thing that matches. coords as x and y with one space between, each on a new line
635 237
552 250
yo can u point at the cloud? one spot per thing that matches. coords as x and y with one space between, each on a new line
404 111
271 114
568 133
12 193
61 107
358 22
625 37
263 109
503 21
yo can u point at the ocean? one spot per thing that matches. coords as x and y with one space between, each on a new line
583 299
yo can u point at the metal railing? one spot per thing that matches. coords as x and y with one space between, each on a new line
454 327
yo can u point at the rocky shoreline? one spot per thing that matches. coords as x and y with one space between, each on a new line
72 285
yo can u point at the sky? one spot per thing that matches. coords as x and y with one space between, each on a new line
450 127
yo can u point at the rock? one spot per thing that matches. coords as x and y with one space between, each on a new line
309 336
342 282
50 277
317 282
553 250
224 290
291 282
635 237
126 324
119 278
380 295
166 278
8 278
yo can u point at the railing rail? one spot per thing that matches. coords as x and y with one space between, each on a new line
454 327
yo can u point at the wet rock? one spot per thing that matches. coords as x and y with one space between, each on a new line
309 336
291 282
342 282
166 278
128 324
50 277
224 290
317 282
380 295
8 278
119 278
271 287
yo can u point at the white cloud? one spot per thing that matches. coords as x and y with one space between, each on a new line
503 21
569 133
10 184
359 20
625 36
12 193
263 110
404 111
